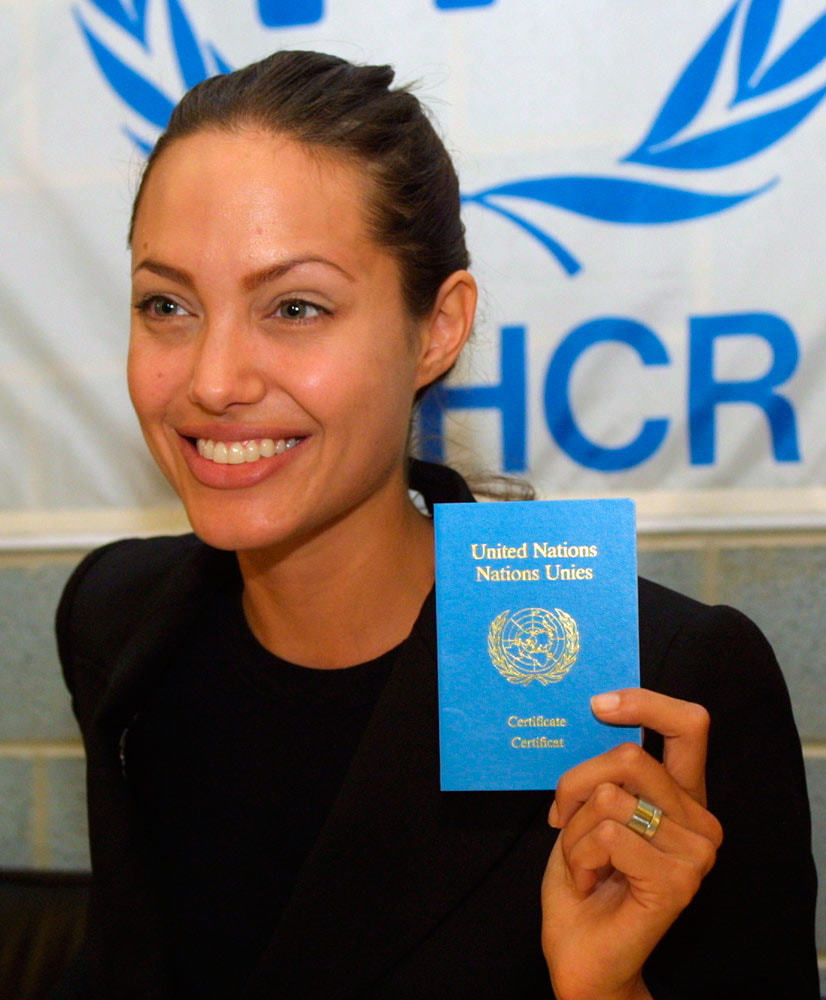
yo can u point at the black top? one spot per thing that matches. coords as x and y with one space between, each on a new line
235 763
409 892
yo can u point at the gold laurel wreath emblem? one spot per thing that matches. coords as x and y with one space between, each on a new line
561 666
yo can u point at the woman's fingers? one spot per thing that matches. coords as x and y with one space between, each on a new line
627 766
658 879
612 807
683 725
630 769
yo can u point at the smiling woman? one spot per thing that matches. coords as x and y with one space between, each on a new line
264 311
258 699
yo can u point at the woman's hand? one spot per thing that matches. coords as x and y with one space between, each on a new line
610 894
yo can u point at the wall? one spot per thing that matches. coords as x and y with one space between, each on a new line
776 578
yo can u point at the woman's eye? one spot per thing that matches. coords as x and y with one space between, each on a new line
298 309
160 307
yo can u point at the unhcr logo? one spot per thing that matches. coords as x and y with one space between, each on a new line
679 140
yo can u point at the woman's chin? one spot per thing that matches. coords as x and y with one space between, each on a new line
233 535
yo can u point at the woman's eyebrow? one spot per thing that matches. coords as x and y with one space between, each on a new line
250 281
258 278
164 271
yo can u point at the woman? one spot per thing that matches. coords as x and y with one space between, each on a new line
258 700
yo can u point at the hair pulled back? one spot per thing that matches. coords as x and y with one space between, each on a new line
331 104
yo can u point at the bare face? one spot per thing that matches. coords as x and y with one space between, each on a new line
272 363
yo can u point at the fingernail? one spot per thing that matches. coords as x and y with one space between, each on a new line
553 816
605 702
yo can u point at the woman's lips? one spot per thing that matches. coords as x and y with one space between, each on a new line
236 464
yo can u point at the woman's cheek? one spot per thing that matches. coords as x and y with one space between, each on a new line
153 378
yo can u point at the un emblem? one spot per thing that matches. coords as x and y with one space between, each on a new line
533 645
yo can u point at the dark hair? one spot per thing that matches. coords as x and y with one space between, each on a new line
329 103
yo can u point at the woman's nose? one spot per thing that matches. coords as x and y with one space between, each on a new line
224 371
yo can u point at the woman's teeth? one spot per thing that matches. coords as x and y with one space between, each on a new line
238 452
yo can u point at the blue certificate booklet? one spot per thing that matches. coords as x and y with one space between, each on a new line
536 606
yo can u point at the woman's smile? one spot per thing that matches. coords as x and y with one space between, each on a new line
234 463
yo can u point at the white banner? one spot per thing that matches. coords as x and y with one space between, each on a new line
643 198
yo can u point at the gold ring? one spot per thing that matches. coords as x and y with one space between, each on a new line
646 819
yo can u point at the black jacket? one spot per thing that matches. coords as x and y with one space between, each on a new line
410 892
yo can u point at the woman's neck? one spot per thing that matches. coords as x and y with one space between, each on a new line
346 596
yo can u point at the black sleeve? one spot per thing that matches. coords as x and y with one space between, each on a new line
750 930
104 603
64 620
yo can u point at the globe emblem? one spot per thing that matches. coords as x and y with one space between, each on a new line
533 644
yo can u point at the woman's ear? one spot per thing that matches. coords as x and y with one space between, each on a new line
447 328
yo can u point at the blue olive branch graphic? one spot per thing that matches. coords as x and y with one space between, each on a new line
196 61
800 58
132 21
568 262
757 33
627 201
690 92
742 139
608 199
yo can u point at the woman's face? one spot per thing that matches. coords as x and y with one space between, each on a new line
272 363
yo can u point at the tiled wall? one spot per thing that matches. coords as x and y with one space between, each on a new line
42 809
778 579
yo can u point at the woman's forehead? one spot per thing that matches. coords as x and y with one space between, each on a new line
253 183
241 158
244 199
